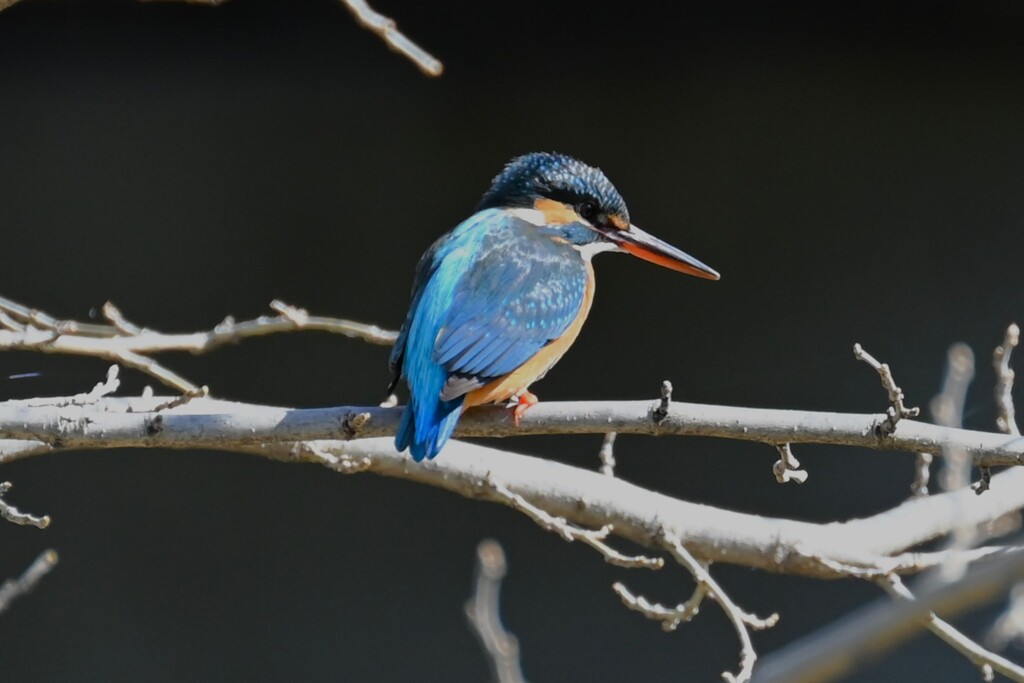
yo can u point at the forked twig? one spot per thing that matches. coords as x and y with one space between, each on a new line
130 345
595 538
897 409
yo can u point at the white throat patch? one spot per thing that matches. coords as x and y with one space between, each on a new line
588 250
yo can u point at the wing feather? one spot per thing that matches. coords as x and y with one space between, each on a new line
521 292
487 297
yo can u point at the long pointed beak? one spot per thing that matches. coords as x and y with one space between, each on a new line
650 248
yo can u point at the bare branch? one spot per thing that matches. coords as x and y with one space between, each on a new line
130 345
13 514
28 328
375 22
395 39
947 409
586 499
1009 627
671 617
897 408
589 499
131 337
1006 421
583 506
484 614
13 589
120 422
837 649
985 660
740 619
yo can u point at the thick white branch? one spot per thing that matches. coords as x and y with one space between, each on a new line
209 423
581 497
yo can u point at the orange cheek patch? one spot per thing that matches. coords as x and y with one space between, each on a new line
557 213
619 222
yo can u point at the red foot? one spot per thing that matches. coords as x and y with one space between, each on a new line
525 401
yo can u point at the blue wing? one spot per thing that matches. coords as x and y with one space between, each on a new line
487 297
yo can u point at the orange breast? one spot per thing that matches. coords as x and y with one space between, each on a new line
519 380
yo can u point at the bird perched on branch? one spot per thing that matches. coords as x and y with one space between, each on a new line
499 299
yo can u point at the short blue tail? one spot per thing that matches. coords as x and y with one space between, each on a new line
428 421
424 430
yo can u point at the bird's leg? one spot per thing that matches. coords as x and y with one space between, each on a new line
524 402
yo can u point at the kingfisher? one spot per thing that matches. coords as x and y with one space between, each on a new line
497 301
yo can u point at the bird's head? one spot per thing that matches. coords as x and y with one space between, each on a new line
572 201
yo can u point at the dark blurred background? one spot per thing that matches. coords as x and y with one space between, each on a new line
853 169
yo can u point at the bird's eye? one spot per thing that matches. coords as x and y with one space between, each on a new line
588 211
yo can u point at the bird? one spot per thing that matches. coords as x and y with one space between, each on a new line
499 299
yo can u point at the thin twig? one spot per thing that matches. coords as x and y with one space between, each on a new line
607 454
114 316
184 399
13 514
669 617
375 22
395 39
483 611
13 589
130 345
740 619
787 467
229 331
1006 421
595 538
660 411
897 409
